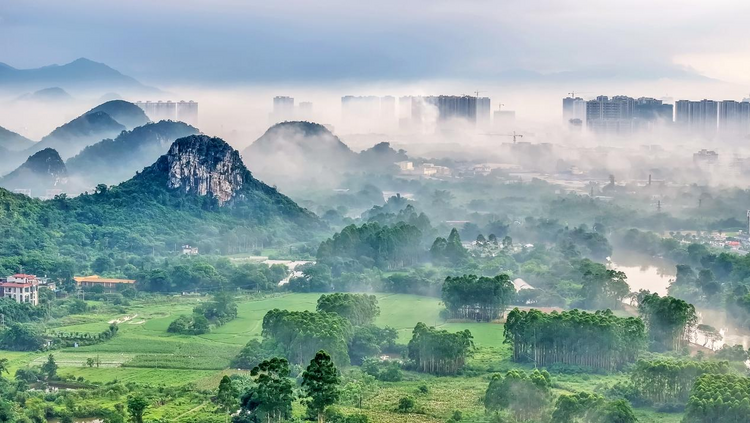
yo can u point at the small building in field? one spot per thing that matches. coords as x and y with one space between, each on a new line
189 250
21 288
109 284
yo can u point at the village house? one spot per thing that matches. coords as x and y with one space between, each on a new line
21 288
109 284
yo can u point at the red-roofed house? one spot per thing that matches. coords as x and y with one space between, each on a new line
21 288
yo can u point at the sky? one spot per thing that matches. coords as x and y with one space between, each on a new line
228 41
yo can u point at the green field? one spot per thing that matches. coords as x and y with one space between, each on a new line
144 352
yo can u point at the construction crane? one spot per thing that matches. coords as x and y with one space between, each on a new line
573 93
477 93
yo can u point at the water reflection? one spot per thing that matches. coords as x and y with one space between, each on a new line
644 272
655 274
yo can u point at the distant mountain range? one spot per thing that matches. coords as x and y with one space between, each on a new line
111 161
80 132
12 141
46 95
80 74
107 144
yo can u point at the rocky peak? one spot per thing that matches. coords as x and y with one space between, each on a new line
203 165
48 163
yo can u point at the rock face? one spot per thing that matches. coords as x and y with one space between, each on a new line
202 165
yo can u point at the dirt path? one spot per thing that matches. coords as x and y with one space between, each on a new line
122 319
191 411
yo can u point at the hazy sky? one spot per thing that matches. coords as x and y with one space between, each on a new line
398 40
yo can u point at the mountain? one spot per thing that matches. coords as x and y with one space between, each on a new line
199 193
381 155
79 74
123 112
42 171
47 95
293 151
11 141
311 140
114 160
207 167
80 132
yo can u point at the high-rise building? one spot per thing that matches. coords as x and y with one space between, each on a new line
388 107
483 112
651 109
187 111
360 113
283 109
698 117
734 117
454 107
159 110
574 108
612 116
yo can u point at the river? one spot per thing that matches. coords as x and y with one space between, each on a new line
655 274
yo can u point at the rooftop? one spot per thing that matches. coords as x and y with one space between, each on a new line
99 279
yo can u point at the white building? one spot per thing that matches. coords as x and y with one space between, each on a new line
21 288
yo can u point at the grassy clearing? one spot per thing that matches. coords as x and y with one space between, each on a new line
144 352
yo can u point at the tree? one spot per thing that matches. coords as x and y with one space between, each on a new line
405 404
50 367
4 363
359 309
90 362
271 398
525 395
321 384
507 242
226 397
137 405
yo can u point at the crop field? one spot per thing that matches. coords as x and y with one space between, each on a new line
144 352
143 346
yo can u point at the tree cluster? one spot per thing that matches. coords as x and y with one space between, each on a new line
359 309
478 298
373 245
302 333
525 395
599 340
439 351
670 321
721 398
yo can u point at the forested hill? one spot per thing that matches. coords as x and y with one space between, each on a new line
199 193
13 141
125 113
43 170
111 161
82 131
